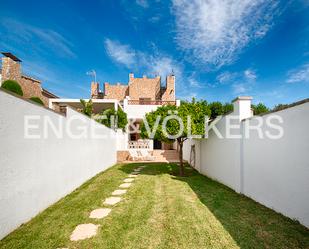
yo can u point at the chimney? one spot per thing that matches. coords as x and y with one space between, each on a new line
131 77
95 88
242 107
11 68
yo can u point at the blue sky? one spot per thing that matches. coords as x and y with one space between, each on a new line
217 49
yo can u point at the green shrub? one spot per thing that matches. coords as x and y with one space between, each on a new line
12 86
37 100
120 118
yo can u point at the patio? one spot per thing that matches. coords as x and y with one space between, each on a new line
160 210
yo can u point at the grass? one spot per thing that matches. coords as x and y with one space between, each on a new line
160 211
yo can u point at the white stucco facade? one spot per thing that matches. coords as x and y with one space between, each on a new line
36 173
274 172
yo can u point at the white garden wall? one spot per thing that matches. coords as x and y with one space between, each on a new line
272 172
35 173
276 172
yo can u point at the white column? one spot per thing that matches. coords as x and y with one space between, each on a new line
242 107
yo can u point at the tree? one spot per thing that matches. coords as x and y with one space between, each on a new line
87 107
259 109
114 118
217 109
12 86
280 107
37 100
170 123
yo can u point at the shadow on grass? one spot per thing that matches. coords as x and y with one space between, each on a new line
251 224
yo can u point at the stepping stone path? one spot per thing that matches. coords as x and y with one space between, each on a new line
119 192
128 180
100 213
112 200
84 231
125 185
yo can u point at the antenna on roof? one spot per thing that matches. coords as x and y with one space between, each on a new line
92 73
173 72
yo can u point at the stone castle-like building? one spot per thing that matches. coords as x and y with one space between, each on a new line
144 90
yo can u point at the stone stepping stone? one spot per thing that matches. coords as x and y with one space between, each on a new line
112 200
84 231
133 175
125 185
128 180
119 192
99 213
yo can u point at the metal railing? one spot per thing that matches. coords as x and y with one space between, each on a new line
142 144
151 102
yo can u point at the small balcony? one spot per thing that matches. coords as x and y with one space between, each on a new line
150 102
141 144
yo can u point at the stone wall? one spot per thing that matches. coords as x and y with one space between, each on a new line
11 69
118 91
148 88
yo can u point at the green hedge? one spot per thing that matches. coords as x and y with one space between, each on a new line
37 100
12 86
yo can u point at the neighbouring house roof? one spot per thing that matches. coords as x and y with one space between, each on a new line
49 94
30 78
13 57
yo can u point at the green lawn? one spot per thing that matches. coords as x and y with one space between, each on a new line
160 211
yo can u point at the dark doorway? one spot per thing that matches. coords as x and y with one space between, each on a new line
157 145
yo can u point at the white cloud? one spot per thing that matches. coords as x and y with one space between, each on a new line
194 83
242 82
158 64
47 38
250 74
240 88
142 3
215 32
123 54
225 77
299 75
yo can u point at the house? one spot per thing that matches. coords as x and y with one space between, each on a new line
12 70
138 97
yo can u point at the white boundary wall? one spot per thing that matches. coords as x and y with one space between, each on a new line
35 173
274 173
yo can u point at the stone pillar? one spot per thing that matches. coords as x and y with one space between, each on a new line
95 87
131 77
170 88
11 68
